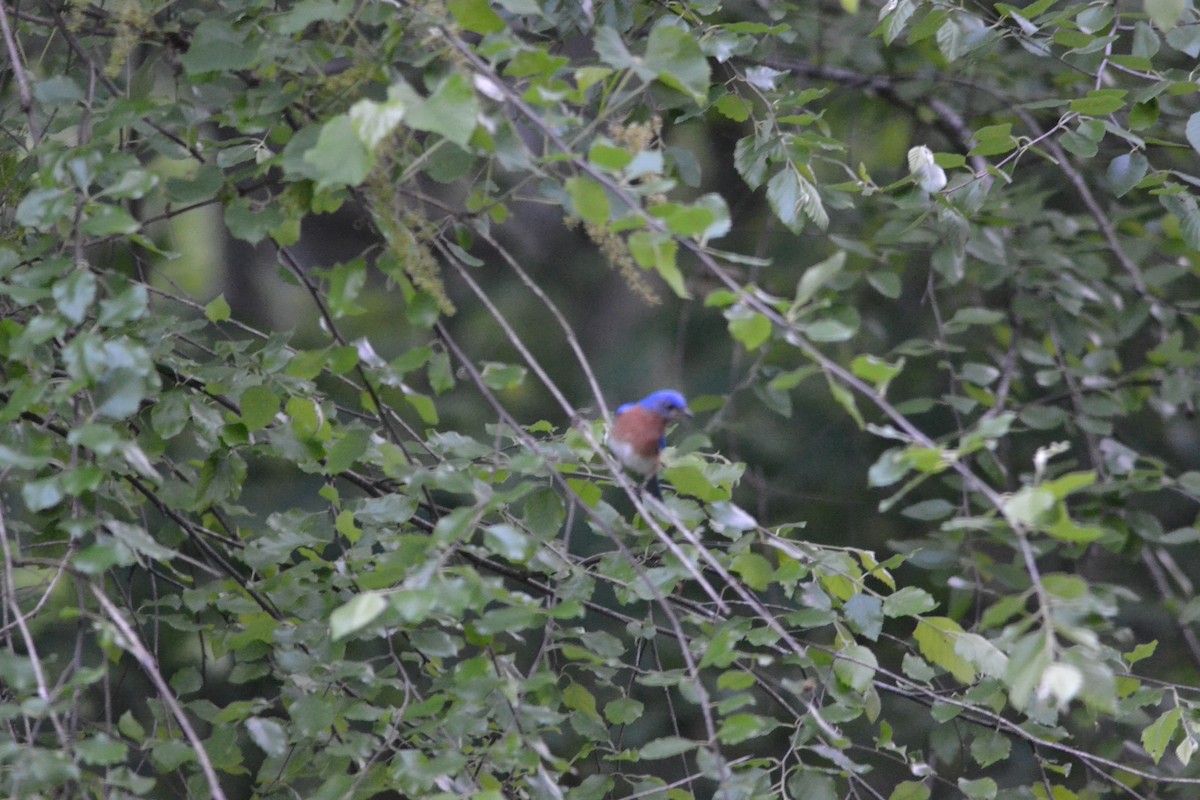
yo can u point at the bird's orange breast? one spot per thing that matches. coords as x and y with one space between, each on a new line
642 431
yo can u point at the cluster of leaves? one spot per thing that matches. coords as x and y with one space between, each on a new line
435 609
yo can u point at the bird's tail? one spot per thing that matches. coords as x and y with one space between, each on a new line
653 488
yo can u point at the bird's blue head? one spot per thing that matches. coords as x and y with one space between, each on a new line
667 403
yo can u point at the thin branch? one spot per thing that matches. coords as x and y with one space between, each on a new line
18 68
1107 229
31 650
133 645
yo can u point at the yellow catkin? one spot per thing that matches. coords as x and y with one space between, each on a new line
615 250
405 231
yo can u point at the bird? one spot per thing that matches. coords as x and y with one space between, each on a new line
638 433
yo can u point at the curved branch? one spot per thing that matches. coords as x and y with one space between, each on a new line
133 644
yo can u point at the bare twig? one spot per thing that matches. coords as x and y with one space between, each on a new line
133 644
18 67
31 648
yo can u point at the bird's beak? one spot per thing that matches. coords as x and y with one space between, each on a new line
687 412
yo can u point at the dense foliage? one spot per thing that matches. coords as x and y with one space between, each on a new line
312 316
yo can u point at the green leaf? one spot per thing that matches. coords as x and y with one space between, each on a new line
729 519
845 398
1099 102
1157 736
43 208
993 140
979 789
522 6
75 294
1165 13
305 416
722 648
876 370
688 221
252 221
344 524
58 90
609 158
666 747
738 728
936 637
441 376
1083 141
985 656
1185 209
375 121
312 714
104 219
691 480
10 457
476 16
990 747
131 728
203 184
346 282
657 251
41 494
589 200
339 157
347 450
1065 529
451 111
909 601
623 711
674 57
749 328
1127 171
733 107
1069 483
259 406
356 614
217 309
509 542
138 540
721 222
864 613
793 198
1185 39
750 160
929 510
216 47
809 784
910 790
1031 507
125 306
817 276
1027 661
578 698
171 754
829 330
269 735
755 570
306 12
1192 130
186 681
855 667
101 750
1141 652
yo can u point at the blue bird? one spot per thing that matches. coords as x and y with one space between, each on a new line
638 433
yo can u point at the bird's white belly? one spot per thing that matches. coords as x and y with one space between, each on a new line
631 458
